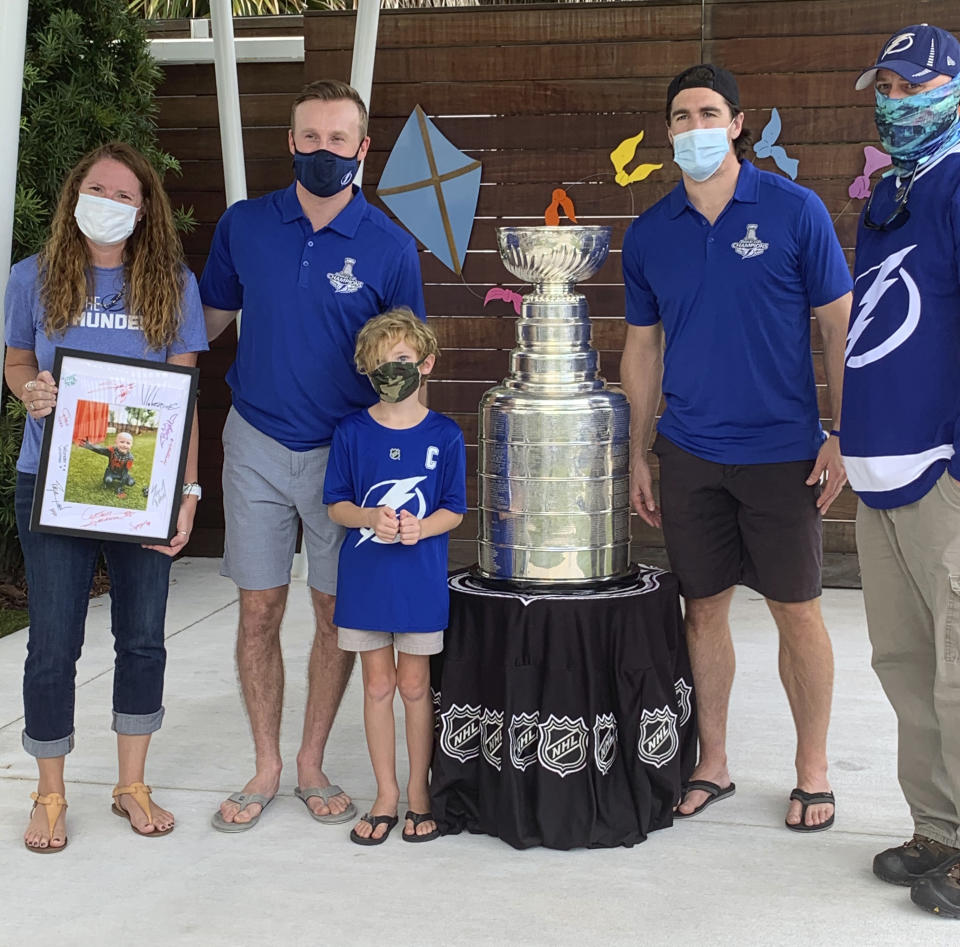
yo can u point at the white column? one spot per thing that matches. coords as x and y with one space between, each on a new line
364 53
13 43
228 100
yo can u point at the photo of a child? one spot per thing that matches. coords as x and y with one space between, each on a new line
119 463
110 431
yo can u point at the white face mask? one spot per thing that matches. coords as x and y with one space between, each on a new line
104 221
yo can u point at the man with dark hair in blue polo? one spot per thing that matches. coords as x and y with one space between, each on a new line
901 434
726 269
308 265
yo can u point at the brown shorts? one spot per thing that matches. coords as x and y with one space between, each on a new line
752 523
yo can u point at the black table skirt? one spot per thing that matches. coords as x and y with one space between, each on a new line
564 720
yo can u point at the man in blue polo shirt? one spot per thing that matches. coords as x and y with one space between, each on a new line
726 269
901 432
308 265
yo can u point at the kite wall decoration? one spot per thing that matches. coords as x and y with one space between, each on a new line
623 154
767 147
432 188
873 160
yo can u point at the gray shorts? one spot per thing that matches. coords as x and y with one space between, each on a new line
268 490
409 642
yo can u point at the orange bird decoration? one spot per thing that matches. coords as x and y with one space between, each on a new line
560 201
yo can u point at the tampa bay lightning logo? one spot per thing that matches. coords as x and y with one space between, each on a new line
899 44
887 278
343 281
395 494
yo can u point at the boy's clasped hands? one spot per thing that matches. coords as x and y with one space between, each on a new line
390 528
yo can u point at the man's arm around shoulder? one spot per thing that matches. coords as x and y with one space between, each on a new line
217 320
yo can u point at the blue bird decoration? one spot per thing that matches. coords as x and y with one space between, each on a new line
767 147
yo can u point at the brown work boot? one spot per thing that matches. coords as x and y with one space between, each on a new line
906 863
939 892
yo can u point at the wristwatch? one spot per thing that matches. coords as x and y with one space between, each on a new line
192 490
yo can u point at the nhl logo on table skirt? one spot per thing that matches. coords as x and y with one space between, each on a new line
604 742
563 744
658 742
491 736
460 732
524 734
684 690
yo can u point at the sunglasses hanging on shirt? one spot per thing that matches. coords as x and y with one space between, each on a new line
901 213
115 300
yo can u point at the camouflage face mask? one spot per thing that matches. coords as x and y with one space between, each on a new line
394 381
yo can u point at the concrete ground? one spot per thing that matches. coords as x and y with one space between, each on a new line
733 876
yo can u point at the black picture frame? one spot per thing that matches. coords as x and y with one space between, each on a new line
142 414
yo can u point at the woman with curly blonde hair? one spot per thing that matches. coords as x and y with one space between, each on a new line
110 280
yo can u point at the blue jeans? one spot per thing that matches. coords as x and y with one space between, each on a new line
59 576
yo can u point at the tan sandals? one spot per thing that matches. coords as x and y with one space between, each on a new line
141 795
54 804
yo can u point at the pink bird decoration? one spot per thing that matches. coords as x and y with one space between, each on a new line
874 159
508 295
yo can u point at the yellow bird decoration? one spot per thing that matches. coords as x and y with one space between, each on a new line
623 154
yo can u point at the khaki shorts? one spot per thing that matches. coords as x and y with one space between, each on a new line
409 642
268 491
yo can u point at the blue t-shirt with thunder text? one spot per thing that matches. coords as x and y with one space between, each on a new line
107 329
389 586
734 298
901 382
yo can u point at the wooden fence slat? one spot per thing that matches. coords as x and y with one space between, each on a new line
809 18
482 27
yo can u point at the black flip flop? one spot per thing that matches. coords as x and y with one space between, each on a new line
807 799
416 818
374 820
704 785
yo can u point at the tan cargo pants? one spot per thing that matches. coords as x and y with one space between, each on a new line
910 564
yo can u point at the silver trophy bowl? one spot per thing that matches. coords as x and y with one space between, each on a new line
553 477
564 255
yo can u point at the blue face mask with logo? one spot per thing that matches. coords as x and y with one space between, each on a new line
701 151
324 173
919 126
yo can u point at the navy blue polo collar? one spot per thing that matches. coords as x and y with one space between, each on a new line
347 222
747 191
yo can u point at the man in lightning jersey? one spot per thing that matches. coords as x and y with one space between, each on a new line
901 428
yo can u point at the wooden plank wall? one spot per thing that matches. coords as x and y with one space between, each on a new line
541 94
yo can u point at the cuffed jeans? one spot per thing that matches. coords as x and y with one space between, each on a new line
60 572
910 564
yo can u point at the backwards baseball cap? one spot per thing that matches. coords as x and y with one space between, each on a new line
705 76
917 54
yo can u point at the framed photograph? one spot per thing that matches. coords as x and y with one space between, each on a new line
115 448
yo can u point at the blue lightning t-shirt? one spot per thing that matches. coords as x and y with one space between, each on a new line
422 469
734 299
305 295
901 382
106 329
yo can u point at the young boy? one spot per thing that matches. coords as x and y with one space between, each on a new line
396 479
119 461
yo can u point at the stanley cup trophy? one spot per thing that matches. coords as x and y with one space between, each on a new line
554 464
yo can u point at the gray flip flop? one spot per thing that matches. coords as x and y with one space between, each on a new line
242 799
325 793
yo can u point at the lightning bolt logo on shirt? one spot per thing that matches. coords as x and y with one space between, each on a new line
395 495
885 278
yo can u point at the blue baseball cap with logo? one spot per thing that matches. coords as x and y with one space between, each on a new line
917 54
